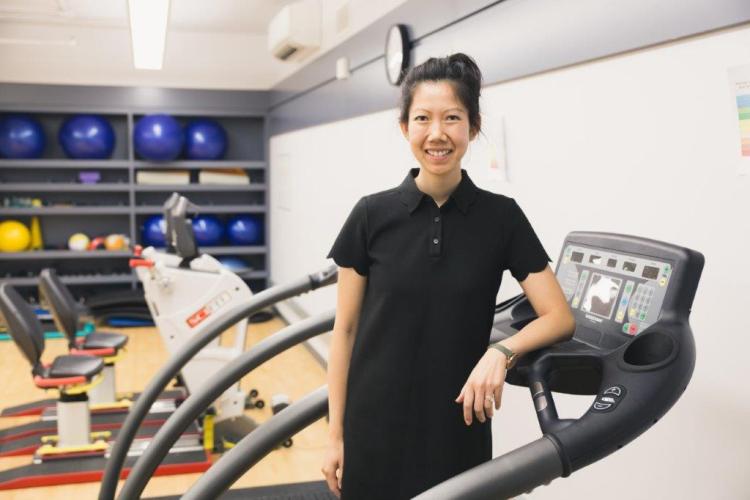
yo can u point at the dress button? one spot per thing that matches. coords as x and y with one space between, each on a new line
437 219
435 241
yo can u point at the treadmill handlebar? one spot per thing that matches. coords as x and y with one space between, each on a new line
640 381
515 472
139 410
567 444
325 277
518 471
256 445
199 401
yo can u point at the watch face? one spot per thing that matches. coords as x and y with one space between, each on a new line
396 54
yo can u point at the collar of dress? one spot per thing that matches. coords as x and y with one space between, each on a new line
464 195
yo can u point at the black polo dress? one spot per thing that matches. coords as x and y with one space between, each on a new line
433 274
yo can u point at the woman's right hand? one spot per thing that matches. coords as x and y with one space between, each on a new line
333 464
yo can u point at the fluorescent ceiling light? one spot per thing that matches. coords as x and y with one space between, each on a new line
148 32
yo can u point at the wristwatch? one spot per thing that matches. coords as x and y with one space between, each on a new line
508 353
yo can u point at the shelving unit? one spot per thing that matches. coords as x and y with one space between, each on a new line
117 204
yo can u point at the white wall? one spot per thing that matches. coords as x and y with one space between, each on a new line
225 47
644 143
340 20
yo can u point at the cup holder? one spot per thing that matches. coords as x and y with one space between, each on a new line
650 350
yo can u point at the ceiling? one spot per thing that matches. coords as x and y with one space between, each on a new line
218 44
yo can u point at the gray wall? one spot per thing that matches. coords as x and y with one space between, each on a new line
25 97
509 39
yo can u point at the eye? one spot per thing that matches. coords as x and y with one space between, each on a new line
418 117
454 116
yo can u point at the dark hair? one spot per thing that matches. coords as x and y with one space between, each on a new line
460 71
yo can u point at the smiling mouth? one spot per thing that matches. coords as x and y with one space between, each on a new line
438 153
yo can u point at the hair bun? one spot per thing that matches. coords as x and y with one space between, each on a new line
466 68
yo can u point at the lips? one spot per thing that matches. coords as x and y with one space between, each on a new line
438 153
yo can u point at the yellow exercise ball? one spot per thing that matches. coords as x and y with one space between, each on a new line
14 236
78 242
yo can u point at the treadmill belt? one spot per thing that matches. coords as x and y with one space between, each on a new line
312 490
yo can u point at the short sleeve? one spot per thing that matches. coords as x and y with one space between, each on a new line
524 252
350 247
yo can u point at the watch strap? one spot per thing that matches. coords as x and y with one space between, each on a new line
505 350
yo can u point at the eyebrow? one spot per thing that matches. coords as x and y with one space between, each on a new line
447 110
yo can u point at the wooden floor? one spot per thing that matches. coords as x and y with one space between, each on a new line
294 373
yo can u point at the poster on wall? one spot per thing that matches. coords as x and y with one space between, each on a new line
740 81
486 158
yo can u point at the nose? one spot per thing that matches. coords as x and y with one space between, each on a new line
436 132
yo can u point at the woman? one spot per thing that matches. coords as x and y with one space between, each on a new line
420 268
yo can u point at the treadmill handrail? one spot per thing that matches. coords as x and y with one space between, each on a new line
198 402
256 445
516 472
179 359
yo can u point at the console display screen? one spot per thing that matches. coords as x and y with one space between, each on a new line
615 293
601 295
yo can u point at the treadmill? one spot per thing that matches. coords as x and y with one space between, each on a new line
633 349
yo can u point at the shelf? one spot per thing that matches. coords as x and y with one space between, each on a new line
206 209
105 254
67 187
112 205
124 164
110 279
98 210
124 187
76 280
65 163
228 250
200 187
200 165
65 254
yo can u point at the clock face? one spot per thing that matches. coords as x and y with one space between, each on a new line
396 53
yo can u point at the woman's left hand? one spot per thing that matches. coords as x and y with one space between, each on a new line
484 387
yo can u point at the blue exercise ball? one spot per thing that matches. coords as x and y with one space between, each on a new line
245 230
87 137
153 233
205 140
158 137
21 136
208 230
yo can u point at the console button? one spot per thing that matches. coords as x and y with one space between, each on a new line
614 390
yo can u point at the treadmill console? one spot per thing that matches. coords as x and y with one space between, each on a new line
614 295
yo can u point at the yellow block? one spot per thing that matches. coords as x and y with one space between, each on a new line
208 432
123 403
49 449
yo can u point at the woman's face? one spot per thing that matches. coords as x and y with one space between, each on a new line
438 127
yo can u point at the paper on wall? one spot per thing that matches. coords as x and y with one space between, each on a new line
740 81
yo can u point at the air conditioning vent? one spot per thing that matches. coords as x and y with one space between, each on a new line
294 33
